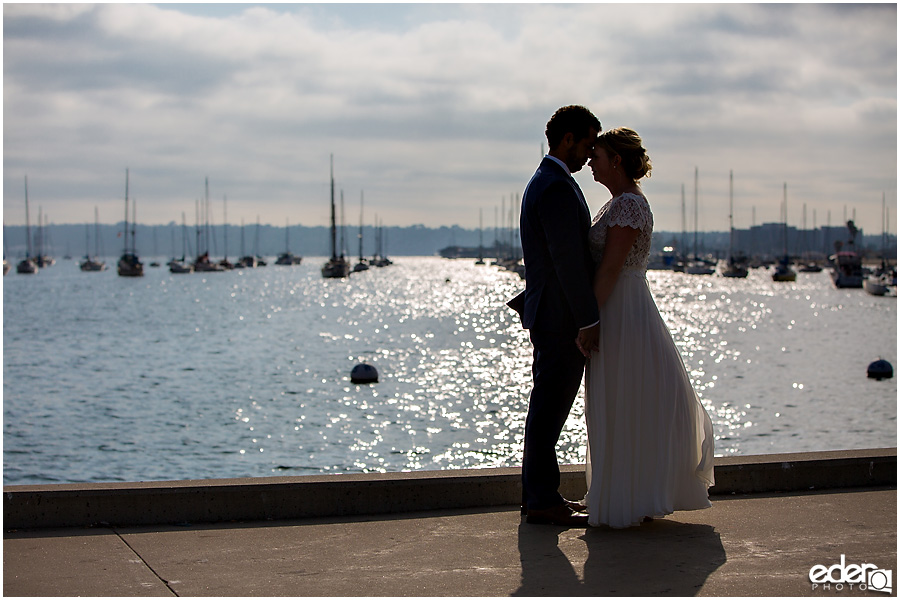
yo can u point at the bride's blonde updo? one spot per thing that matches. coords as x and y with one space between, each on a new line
627 144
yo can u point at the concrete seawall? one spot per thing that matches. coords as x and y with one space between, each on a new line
276 498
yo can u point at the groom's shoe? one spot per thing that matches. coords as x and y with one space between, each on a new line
557 515
577 506
573 504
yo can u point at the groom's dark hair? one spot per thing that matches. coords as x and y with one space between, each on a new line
574 119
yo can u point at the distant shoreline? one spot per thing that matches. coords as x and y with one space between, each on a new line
415 240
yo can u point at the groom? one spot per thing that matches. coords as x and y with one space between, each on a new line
560 309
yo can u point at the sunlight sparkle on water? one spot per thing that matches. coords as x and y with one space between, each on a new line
247 374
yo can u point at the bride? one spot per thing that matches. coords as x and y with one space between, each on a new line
650 441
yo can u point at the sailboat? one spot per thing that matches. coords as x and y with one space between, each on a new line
808 264
260 261
734 266
880 282
129 263
679 262
27 266
286 258
783 270
182 266
202 262
697 266
247 261
877 284
153 263
379 259
225 263
362 265
337 266
42 260
92 264
480 260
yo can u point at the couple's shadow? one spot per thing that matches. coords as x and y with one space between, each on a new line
662 558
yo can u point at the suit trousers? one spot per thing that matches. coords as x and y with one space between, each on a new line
557 371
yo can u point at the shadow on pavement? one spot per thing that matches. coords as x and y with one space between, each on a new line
660 558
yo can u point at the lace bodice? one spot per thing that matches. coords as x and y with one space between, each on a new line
626 210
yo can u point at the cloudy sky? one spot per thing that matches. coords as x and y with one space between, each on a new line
435 111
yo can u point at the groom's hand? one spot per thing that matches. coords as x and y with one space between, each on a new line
587 339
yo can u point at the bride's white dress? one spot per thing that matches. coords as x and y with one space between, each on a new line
650 441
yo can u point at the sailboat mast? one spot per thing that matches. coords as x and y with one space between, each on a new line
27 223
206 218
96 232
496 232
225 223
197 225
480 228
40 235
512 211
731 212
343 244
125 251
375 234
804 242
361 225
683 224
503 223
785 219
696 210
133 225
256 239
183 236
333 226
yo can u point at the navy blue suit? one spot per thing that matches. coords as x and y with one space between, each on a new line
559 300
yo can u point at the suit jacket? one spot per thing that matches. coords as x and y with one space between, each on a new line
554 226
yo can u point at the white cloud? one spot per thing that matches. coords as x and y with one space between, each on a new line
438 110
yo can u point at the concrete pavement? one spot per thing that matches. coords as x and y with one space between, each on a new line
761 544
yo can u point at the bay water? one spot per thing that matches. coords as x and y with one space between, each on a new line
247 373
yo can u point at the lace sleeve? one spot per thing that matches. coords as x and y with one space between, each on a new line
629 210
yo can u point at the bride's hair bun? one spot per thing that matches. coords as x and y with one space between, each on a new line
627 144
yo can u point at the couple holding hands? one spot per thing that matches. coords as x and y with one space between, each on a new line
590 312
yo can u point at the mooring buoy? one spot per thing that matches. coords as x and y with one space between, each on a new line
363 373
880 369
